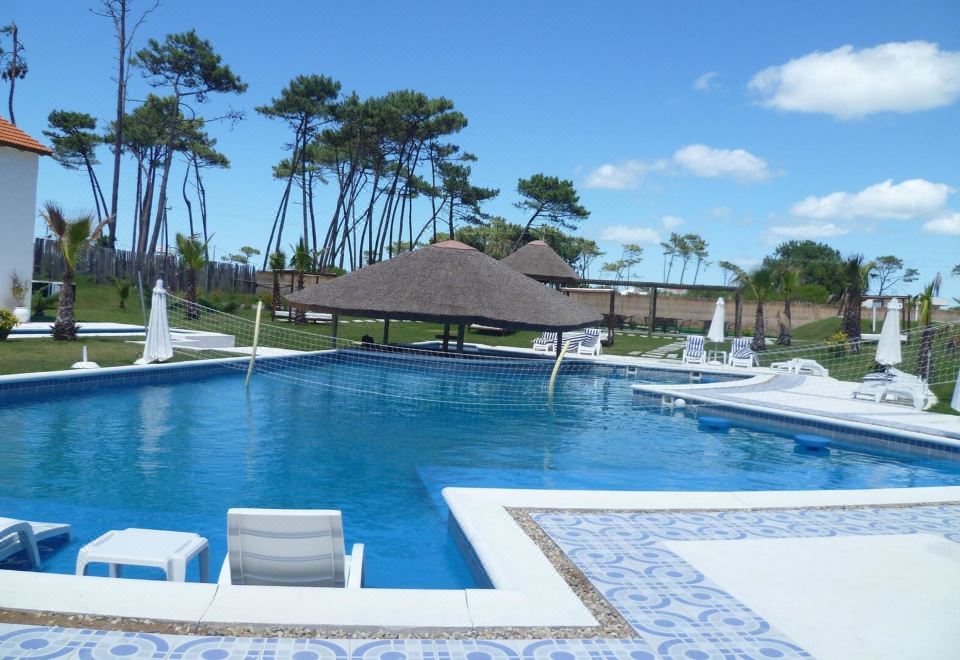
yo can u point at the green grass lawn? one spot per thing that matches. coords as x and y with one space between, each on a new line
29 355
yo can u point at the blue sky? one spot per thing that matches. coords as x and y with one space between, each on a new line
747 122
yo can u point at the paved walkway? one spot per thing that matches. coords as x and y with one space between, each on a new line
818 397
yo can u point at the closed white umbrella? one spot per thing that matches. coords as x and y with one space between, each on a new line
716 323
888 348
158 346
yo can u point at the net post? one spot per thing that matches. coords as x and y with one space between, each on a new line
556 370
256 337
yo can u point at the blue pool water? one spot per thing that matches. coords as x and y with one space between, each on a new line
177 456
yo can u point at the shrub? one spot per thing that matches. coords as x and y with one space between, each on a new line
838 343
7 323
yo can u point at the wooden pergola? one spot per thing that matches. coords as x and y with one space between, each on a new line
653 287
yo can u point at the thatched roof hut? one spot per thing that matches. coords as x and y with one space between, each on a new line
538 260
448 282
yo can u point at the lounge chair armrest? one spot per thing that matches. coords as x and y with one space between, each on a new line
355 579
224 577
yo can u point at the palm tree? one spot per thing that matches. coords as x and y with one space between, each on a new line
857 276
277 261
301 262
193 257
73 237
925 302
787 283
761 283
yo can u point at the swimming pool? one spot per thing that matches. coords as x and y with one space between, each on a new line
177 455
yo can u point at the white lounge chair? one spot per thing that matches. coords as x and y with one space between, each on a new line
289 547
590 344
17 535
801 366
693 351
545 342
741 355
893 386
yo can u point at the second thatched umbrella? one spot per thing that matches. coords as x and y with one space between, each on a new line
449 283
536 259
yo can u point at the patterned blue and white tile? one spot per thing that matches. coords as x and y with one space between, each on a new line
676 608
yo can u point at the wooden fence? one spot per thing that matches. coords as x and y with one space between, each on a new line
104 264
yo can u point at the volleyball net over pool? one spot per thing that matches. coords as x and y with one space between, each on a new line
304 354
932 352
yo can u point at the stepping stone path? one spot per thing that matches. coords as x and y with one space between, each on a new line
666 351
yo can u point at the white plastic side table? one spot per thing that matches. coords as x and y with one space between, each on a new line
169 551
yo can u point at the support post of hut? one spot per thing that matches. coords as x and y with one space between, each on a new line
334 326
737 314
559 345
460 330
386 331
446 336
611 318
652 319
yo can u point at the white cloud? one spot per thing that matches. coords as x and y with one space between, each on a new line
707 82
809 231
701 160
625 234
848 83
882 201
948 224
670 222
623 176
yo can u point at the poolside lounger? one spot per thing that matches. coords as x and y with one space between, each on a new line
801 366
17 535
590 344
545 342
893 386
289 547
693 352
741 355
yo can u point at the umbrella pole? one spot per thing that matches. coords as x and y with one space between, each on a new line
386 331
446 336
460 329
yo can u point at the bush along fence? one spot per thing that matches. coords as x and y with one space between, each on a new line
104 264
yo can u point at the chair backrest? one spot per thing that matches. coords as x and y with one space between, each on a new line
546 338
740 348
694 345
289 547
591 337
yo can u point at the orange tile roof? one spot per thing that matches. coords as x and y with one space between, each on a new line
11 136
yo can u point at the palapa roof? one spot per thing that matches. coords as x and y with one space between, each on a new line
11 136
448 282
538 260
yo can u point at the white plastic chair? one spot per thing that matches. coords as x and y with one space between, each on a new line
289 547
693 351
741 355
545 342
590 344
17 535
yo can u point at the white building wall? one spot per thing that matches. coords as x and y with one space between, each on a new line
18 213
